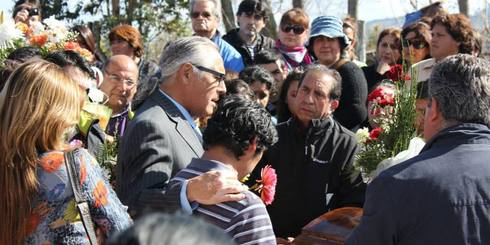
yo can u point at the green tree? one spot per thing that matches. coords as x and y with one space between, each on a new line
152 17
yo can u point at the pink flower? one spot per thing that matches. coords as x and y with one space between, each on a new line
269 182
266 186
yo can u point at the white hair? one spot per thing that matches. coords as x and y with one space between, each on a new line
193 50
217 7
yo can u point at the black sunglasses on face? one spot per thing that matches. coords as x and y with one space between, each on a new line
297 29
416 44
220 77
195 15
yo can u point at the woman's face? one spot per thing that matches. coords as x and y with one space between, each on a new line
293 35
388 51
327 50
119 46
291 95
415 48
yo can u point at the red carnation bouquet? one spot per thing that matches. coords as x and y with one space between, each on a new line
266 186
391 114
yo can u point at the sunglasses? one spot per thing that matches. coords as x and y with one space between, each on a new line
220 77
196 15
416 44
297 29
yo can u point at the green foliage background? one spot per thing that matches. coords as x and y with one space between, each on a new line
157 20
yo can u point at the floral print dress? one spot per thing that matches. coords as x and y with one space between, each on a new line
55 218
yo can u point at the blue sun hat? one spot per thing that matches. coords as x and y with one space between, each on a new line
328 26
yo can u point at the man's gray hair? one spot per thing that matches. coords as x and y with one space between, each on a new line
336 89
217 7
193 50
461 86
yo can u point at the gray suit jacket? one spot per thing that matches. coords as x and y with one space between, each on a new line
157 144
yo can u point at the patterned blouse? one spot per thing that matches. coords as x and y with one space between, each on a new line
55 218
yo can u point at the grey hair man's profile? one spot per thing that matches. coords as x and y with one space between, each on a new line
162 138
440 196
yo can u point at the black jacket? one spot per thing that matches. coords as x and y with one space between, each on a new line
262 42
352 110
440 196
373 77
311 164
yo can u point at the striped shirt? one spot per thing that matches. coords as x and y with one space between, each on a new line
246 221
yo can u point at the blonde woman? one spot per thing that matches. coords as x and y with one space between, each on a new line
39 105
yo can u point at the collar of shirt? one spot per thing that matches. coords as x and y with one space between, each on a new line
182 110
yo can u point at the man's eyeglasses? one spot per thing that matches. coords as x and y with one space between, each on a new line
220 77
297 29
115 78
196 15
417 44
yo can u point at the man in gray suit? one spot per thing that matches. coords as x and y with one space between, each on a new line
163 138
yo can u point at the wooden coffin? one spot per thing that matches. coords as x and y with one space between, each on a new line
331 228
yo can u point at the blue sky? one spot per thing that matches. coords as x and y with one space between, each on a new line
368 9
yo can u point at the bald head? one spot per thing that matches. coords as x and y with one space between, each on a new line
122 62
120 80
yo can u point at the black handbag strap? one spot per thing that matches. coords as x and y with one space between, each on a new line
82 203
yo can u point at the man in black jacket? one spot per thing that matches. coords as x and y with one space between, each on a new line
441 196
313 157
251 18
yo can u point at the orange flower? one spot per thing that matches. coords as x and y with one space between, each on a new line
34 220
83 171
38 40
23 27
52 161
71 46
100 194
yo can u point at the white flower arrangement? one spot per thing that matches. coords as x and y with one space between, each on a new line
9 33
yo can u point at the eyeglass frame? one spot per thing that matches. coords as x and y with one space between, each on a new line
218 75
297 29
415 43
130 83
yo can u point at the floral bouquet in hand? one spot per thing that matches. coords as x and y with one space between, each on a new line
49 35
266 186
391 113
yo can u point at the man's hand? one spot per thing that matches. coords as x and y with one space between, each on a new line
215 187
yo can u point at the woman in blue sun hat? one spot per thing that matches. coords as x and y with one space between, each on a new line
327 43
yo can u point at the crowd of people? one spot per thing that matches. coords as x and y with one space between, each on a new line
197 130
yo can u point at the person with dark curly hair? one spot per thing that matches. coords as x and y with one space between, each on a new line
236 136
170 229
451 34
260 81
239 87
